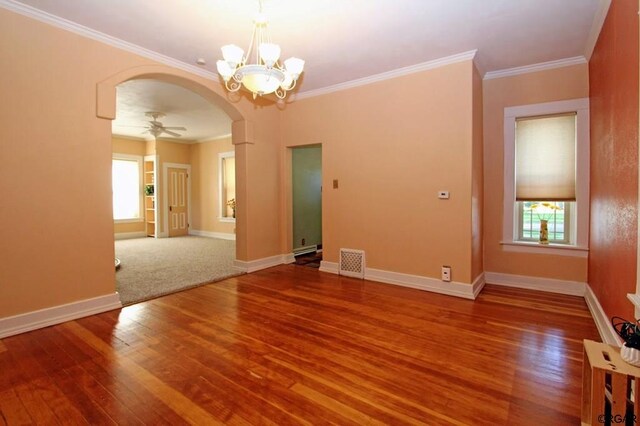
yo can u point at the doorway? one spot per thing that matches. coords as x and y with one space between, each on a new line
306 180
178 199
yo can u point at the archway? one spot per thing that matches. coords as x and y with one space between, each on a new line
241 129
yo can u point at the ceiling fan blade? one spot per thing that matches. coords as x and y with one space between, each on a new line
176 128
169 132
128 125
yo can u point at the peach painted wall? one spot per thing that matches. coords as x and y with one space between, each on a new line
544 86
392 146
130 147
59 247
477 179
205 189
613 72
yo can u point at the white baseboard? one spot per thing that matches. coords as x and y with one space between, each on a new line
329 267
221 235
573 288
467 291
289 258
478 284
29 321
452 288
607 333
258 264
129 235
305 250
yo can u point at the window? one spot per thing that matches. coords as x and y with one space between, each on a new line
227 186
546 176
127 188
558 218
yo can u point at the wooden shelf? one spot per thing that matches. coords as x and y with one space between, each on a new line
150 200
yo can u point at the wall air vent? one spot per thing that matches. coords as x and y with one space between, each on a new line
352 263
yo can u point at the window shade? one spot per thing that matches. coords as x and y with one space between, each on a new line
546 158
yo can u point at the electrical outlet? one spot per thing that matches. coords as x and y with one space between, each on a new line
446 273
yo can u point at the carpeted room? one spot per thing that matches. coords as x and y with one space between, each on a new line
151 268
287 344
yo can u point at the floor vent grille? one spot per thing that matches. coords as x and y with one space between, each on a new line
352 263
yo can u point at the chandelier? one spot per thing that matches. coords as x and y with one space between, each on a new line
265 75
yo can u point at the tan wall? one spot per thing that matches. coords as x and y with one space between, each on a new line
392 145
477 179
59 247
204 186
130 147
544 86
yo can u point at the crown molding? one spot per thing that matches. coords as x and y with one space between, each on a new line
509 72
56 21
412 69
214 138
596 27
132 138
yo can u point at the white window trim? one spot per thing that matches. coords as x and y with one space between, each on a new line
580 245
221 156
138 158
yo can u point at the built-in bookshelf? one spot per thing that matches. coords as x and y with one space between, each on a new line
150 192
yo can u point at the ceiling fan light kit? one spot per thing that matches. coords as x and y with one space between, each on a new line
266 75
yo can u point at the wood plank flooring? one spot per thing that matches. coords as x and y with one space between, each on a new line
291 345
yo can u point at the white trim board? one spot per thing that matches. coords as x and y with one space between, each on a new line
571 288
541 66
605 329
596 27
264 263
56 21
453 288
210 234
412 69
329 267
10 326
129 235
466 291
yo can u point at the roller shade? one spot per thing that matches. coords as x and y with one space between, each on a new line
546 158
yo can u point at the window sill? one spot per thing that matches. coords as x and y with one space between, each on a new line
536 248
227 219
134 220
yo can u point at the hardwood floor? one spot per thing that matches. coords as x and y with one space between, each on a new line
291 345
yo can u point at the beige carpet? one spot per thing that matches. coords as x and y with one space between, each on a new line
154 267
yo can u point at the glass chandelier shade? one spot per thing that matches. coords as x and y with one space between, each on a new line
265 75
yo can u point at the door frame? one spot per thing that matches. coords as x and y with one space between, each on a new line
287 234
165 196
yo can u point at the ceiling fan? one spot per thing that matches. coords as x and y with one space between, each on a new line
156 128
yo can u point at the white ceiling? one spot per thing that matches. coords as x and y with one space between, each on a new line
182 107
345 40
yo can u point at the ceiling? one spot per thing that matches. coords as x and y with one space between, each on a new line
342 40
183 108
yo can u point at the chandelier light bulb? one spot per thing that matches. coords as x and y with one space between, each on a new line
294 66
270 53
288 80
232 54
224 69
